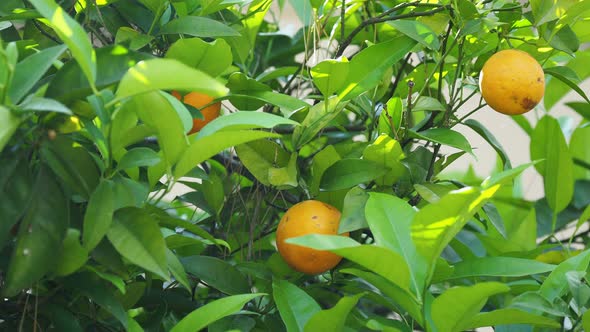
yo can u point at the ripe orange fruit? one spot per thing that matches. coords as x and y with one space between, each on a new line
512 82
308 217
198 100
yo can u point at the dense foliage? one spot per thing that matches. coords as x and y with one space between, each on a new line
95 235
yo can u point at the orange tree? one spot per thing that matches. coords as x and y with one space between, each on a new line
359 109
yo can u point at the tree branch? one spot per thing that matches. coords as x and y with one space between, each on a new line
384 17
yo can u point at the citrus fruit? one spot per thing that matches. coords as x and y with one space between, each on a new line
308 217
198 100
512 82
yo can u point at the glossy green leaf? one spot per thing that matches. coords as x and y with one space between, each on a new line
586 320
72 164
73 256
244 120
284 177
138 157
95 289
499 267
333 319
202 149
401 296
40 236
489 137
579 150
248 94
508 316
318 117
561 37
556 283
330 75
388 153
177 270
38 104
137 237
133 38
30 70
295 306
72 33
211 58
390 219
209 313
418 31
353 210
198 27
507 175
445 136
69 83
561 73
16 186
167 74
369 65
347 173
456 306
99 215
8 125
548 142
368 256
581 108
390 119
217 273
435 225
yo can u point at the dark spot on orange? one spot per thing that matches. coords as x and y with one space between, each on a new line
539 79
314 217
514 98
287 219
528 103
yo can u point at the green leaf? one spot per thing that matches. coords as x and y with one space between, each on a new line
435 225
89 285
72 33
489 137
156 112
69 83
284 177
30 70
548 142
99 215
401 296
40 236
507 175
445 136
581 108
304 11
202 149
564 75
347 173
390 219
211 58
333 319
585 216
259 157
579 150
137 237
456 306
418 31
38 104
556 283
295 306
133 38
248 94
244 120
508 316
167 74
318 117
183 113
73 255
72 164
388 153
369 256
138 157
499 267
586 320
8 125
175 266
369 65
217 273
198 27
564 39
16 184
330 75
353 210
